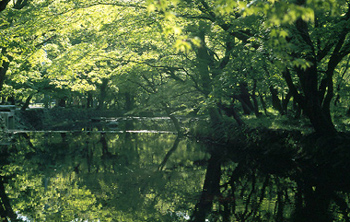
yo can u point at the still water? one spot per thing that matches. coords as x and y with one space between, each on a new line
104 176
142 174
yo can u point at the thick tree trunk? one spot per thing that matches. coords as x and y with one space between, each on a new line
315 107
316 97
321 122
245 107
204 62
310 102
318 113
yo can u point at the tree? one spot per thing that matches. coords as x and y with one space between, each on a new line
291 35
207 57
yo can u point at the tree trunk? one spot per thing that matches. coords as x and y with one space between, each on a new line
285 102
103 93
320 121
316 97
263 103
244 98
27 102
276 102
255 101
215 116
89 102
4 67
230 111
11 100
129 101
61 102
318 113
310 102
204 61
297 109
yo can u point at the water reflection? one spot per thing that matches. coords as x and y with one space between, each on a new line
108 176
103 176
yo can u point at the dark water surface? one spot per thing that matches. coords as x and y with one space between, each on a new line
142 174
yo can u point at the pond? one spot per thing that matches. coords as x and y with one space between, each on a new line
125 174
138 174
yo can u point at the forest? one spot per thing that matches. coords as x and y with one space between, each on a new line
263 85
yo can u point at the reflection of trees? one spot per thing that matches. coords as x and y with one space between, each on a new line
6 211
267 176
211 189
171 151
240 192
110 176
133 176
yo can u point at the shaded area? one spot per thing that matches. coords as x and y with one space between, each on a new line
277 175
6 211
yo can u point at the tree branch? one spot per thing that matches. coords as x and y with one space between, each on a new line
288 78
142 86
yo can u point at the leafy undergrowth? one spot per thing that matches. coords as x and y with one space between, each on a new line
341 118
229 128
284 122
289 122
